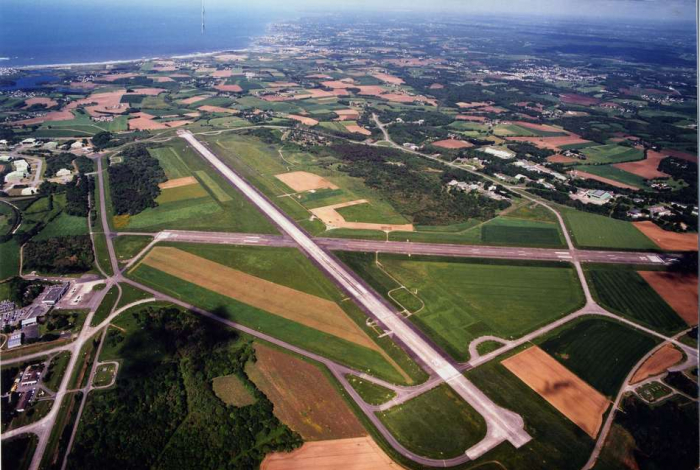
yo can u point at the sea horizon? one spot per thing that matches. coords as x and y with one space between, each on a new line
79 35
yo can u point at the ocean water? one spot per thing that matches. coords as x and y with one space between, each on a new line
42 32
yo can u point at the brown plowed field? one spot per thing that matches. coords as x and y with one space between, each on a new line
194 99
578 99
218 109
668 240
680 291
561 159
228 88
302 396
573 397
646 168
360 453
385 77
539 127
466 117
177 182
307 121
309 310
304 181
452 144
691 157
657 363
357 129
48 102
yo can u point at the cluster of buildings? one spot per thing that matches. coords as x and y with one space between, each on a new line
593 196
25 321
484 188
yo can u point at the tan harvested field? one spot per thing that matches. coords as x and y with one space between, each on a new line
358 129
302 396
309 310
436 86
602 179
493 109
539 127
466 117
561 159
360 453
194 99
307 121
679 290
116 76
473 104
570 395
330 216
318 93
552 143
146 91
657 363
176 183
222 74
282 84
145 122
98 104
228 88
301 181
386 78
50 116
218 109
344 114
668 240
345 83
452 144
691 157
48 102
646 168
160 79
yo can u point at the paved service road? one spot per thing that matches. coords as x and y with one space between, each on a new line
502 425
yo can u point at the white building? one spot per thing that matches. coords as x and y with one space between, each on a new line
500 153
15 341
21 165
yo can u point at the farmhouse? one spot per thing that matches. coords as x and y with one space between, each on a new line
659 211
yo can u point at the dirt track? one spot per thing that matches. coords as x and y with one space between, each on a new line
565 391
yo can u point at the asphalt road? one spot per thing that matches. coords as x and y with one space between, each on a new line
501 424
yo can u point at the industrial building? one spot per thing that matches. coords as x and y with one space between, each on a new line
54 294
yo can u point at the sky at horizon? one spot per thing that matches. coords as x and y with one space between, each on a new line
651 10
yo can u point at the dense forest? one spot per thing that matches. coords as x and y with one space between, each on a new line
134 182
62 255
163 414
665 436
412 189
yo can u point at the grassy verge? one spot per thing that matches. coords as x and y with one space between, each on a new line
370 392
52 378
105 307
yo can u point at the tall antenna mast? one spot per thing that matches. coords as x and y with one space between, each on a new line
203 17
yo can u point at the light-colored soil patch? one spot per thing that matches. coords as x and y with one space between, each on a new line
346 83
302 396
386 78
657 363
552 143
222 74
347 114
330 216
307 121
561 159
473 104
228 88
230 57
646 168
194 99
467 117
357 129
48 102
602 179
231 391
452 144
309 310
50 116
570 395
116 76
668 240
360 453
160 79
679 290
539 127
301 181
218 109
145 122
177 182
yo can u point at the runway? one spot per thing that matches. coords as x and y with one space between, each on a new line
502 425
428 249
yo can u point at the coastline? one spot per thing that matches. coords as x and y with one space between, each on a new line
127 61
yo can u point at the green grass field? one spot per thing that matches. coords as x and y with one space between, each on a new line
611 153
372 214
597 231
609 171
82 124
220 207
63 226
370 392
465 299
105 307
436 424
556 443
9 253
627 293
57 368
600 351
128 246
512 130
